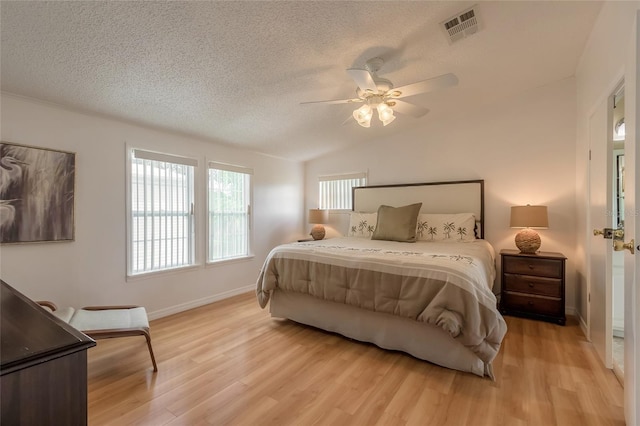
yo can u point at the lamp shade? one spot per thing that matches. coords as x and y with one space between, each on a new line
318 216
529 217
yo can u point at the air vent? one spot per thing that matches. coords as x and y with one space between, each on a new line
461 25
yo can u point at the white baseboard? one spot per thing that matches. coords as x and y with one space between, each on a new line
570 310
618 328
583 326
199 302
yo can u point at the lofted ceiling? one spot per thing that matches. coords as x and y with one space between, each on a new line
236 72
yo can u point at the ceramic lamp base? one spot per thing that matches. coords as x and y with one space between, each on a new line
317 232
528 241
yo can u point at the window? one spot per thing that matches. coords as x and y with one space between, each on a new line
161 220
335 192
229 212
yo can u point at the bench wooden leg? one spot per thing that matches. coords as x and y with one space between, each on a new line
153 358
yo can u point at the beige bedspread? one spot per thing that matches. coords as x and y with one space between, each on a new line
441 283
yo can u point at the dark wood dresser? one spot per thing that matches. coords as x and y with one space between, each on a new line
43 371
533 285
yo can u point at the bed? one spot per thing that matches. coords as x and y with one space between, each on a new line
425 291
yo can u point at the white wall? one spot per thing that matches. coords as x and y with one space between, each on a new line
601 68
522 147
92 269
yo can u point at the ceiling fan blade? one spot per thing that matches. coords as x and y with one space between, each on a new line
430 85
410 109
348 120
363 79
336 101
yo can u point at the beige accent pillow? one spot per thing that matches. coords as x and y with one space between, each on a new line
397 223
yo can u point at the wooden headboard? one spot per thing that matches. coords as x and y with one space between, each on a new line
465 196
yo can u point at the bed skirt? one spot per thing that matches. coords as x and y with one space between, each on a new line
423 341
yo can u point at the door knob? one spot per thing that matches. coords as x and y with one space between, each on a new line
609 233
619 245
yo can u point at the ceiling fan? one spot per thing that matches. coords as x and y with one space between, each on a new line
379 93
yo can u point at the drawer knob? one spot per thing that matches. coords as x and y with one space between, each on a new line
530 285
530 266
530 303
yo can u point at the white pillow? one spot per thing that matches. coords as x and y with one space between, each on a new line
446 227
362 225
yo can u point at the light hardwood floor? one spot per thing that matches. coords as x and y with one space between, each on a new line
230 363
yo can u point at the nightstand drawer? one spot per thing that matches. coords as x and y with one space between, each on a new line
532 266
533 304
551 287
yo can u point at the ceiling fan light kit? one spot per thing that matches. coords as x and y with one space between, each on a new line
379 93
385 113
364 114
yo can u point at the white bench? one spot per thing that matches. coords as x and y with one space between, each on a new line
106 322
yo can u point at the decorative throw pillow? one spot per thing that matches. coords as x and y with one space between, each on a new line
446 227
397 223
362 225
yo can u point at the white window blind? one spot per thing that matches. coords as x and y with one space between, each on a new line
161 233
335 192
229 211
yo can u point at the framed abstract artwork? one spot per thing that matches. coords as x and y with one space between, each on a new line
37 191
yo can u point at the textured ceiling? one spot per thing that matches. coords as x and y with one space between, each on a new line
236 72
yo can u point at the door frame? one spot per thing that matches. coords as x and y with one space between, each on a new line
632 203
604 105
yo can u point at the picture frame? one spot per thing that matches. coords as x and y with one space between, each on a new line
37 194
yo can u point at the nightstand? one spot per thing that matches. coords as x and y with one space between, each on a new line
533 285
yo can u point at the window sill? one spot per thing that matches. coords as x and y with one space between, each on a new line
211 264
152 274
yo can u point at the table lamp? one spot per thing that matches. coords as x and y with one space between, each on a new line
528 217
317 217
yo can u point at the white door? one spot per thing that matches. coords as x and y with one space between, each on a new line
600 202
632 231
